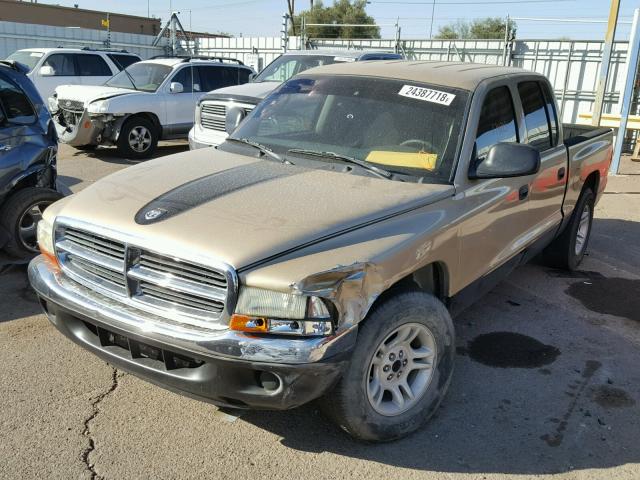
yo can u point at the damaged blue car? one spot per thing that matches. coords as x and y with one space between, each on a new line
28 149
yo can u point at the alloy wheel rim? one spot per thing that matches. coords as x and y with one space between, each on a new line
401 369
28 226
583 230
139 139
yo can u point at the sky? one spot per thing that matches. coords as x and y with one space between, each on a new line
264 17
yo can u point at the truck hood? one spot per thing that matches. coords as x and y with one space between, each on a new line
88 93
237 209
248 92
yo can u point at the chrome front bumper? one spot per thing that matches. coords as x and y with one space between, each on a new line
53 286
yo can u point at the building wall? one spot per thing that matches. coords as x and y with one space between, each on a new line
54 15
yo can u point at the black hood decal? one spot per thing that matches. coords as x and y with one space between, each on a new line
205 189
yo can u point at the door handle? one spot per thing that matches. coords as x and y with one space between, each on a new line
561 172
4 148
523 192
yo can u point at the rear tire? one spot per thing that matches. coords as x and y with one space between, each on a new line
138 138
388 389
567 251
20 216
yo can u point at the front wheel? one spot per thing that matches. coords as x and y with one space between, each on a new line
400 369
20 216
138 138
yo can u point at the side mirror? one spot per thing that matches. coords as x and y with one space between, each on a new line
252 76
46 71
176 87
506 160
234 117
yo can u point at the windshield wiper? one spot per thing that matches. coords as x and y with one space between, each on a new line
381 172
263 149
130 78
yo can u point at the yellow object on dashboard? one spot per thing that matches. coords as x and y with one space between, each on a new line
422 160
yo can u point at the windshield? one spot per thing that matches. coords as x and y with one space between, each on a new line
27 58
141 76
286 66
400 126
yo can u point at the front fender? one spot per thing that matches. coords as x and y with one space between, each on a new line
354 269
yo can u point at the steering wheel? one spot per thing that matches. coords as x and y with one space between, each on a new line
424 145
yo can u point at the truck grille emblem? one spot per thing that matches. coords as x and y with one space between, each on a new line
154 213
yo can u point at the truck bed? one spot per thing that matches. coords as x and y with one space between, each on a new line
574 133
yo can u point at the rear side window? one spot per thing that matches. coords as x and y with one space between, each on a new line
62 64
497 121
122 61
92 66
535 115
213 78
551 112
15 104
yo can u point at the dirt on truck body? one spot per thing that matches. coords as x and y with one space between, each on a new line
320 252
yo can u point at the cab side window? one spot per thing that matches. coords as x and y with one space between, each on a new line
14 104
62 64
497 121
536 118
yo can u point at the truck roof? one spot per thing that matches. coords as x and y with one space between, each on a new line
462 75
335 52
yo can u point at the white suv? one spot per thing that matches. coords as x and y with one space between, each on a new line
50 67
148 101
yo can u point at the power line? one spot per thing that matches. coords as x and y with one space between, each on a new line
484 2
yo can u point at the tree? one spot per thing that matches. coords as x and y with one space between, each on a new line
486 28
341 12
459 29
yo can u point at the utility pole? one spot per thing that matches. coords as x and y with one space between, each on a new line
433 10
292 7
606 61
632 68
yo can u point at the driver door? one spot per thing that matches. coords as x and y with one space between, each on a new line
180 107
497 223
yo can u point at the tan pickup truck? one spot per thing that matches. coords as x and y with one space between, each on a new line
321 251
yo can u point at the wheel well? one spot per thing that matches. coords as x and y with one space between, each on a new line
432 278
592 181
152 117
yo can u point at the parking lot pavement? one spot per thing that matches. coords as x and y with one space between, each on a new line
546 383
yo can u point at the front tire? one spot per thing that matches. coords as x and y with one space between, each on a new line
399 372
567 251
20 216
138 138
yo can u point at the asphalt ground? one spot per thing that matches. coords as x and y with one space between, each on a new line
546 383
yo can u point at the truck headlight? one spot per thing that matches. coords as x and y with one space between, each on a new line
266 311
101 106
45 238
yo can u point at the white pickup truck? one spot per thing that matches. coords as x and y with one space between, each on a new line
146 102
223 109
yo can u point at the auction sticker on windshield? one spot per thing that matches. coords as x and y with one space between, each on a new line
427 94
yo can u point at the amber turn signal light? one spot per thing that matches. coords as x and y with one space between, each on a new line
52 258
244 323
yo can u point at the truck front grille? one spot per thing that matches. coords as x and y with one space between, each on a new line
167 286
213 113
